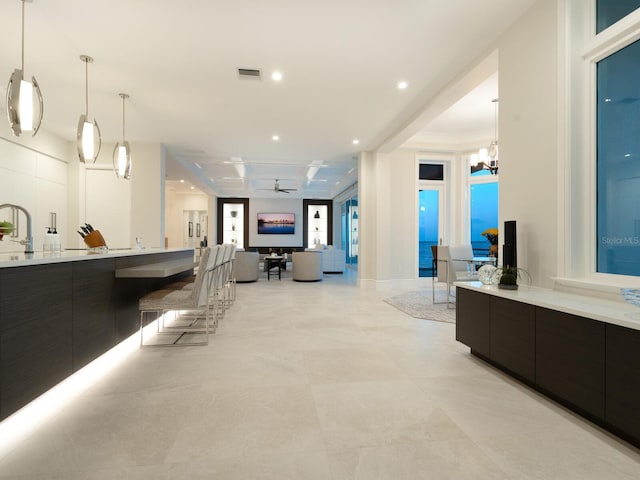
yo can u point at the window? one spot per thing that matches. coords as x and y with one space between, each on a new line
609 12
618 162
431 171
483 214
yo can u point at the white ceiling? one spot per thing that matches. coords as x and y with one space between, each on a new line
178 61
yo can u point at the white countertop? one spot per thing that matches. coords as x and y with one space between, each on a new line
608 311
39 258
156 270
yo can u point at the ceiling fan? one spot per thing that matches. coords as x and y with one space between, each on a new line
276 188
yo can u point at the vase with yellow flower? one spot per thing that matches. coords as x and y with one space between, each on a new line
491 234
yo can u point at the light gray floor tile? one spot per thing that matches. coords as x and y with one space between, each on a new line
316 381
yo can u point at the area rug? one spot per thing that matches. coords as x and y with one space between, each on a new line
418 304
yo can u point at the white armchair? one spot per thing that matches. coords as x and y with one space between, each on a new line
307 266
333 259
455 264
246 266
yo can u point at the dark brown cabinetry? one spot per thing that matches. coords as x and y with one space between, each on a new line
513 337
623 380
473 321
93 310
55 318
590 366
570 359
35 332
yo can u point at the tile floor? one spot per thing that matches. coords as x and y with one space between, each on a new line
316 381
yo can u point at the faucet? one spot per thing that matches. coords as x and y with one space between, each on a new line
27 242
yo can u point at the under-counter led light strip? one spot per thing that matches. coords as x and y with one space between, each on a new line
21 424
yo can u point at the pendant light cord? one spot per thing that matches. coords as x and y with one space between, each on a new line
22 37
123 117
495 120
86 86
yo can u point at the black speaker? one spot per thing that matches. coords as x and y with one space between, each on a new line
509 248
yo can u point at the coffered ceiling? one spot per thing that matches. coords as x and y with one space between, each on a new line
340 60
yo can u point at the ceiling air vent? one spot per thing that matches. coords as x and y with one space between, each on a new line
250 73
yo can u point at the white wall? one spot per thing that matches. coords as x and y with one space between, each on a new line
528 92
275 205
34 179
147 193
528 125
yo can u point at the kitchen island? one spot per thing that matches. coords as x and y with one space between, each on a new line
60 312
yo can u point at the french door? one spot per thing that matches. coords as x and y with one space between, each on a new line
430 226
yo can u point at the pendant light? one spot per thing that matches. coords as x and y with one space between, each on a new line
493 148
122 151
88 142
21 107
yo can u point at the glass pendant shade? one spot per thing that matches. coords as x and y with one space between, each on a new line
25 103
89 137
122 160
89 140
24 99
122 151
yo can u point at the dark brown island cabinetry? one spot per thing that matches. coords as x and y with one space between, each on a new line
589 366
56 317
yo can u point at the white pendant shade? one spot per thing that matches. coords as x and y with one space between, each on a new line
122 160
26 106
87 140
474 160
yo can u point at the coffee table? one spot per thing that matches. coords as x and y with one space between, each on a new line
273 262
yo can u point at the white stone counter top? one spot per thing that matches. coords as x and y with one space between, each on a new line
156 270
608 311
39 258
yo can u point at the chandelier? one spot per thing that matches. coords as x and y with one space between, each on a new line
487 158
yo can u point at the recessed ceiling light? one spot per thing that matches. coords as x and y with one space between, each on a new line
276 76
402 85
356 141
275 138
192 187
181 181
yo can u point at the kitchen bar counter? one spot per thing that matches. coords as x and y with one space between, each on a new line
58 313
20 259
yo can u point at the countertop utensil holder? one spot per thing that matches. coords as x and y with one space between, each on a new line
95 239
